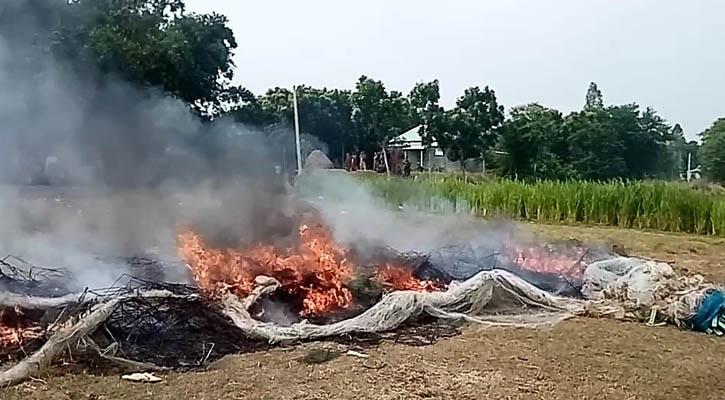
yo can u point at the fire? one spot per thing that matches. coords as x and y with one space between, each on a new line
399 278
545 259
15 330
12 337
315 270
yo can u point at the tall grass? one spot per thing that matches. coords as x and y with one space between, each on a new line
665 206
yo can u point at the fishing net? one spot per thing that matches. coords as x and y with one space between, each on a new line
492 298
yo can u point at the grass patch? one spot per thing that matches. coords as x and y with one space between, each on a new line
658 205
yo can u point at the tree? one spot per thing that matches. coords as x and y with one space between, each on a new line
532 144
619 142
594 100
472 127
152 43
645 136
252 111
712 152
682 150
596 151
377 114
155 43
324 114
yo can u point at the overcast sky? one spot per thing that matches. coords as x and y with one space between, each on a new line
668 54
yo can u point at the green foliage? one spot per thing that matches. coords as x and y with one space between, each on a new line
680 149
151 43
377 114
425 110
156 44
594 100
712 152
533 144
472 127
658 205
325 114
619 142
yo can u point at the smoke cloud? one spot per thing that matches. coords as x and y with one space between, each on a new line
362 220
94 169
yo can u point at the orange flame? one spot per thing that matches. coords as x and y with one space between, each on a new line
545 260
317 270
399 278
15 329
12 337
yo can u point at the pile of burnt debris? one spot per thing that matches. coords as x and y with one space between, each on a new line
164 324
143 323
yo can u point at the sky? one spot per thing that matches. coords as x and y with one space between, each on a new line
666 54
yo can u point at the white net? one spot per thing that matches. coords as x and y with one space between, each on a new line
487 298
619 287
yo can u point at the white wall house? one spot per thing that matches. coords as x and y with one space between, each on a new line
431 157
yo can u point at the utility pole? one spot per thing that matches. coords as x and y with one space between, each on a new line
690 170
297 131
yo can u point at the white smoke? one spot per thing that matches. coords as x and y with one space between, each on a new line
360 219
94 169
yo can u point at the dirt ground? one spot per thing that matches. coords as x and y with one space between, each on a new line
578 359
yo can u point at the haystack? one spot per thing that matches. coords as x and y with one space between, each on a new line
318 160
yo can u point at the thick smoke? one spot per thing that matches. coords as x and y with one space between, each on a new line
362 220
94 168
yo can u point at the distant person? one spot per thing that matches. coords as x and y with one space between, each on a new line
381 162
347 163
363 161
406 167
354 163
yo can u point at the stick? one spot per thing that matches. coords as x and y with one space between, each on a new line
12 300
135 366
56 344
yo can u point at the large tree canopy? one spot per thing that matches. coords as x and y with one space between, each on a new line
614 142
618 142
532 144
324 114
378 115
152 43
472 127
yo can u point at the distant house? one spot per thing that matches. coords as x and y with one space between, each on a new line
430 157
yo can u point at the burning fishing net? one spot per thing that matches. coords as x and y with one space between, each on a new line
315 271
328 290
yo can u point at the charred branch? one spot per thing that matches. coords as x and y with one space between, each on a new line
68 336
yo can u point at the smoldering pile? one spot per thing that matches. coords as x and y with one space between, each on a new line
143 323
289 279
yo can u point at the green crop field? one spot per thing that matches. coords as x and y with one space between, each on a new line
659 205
